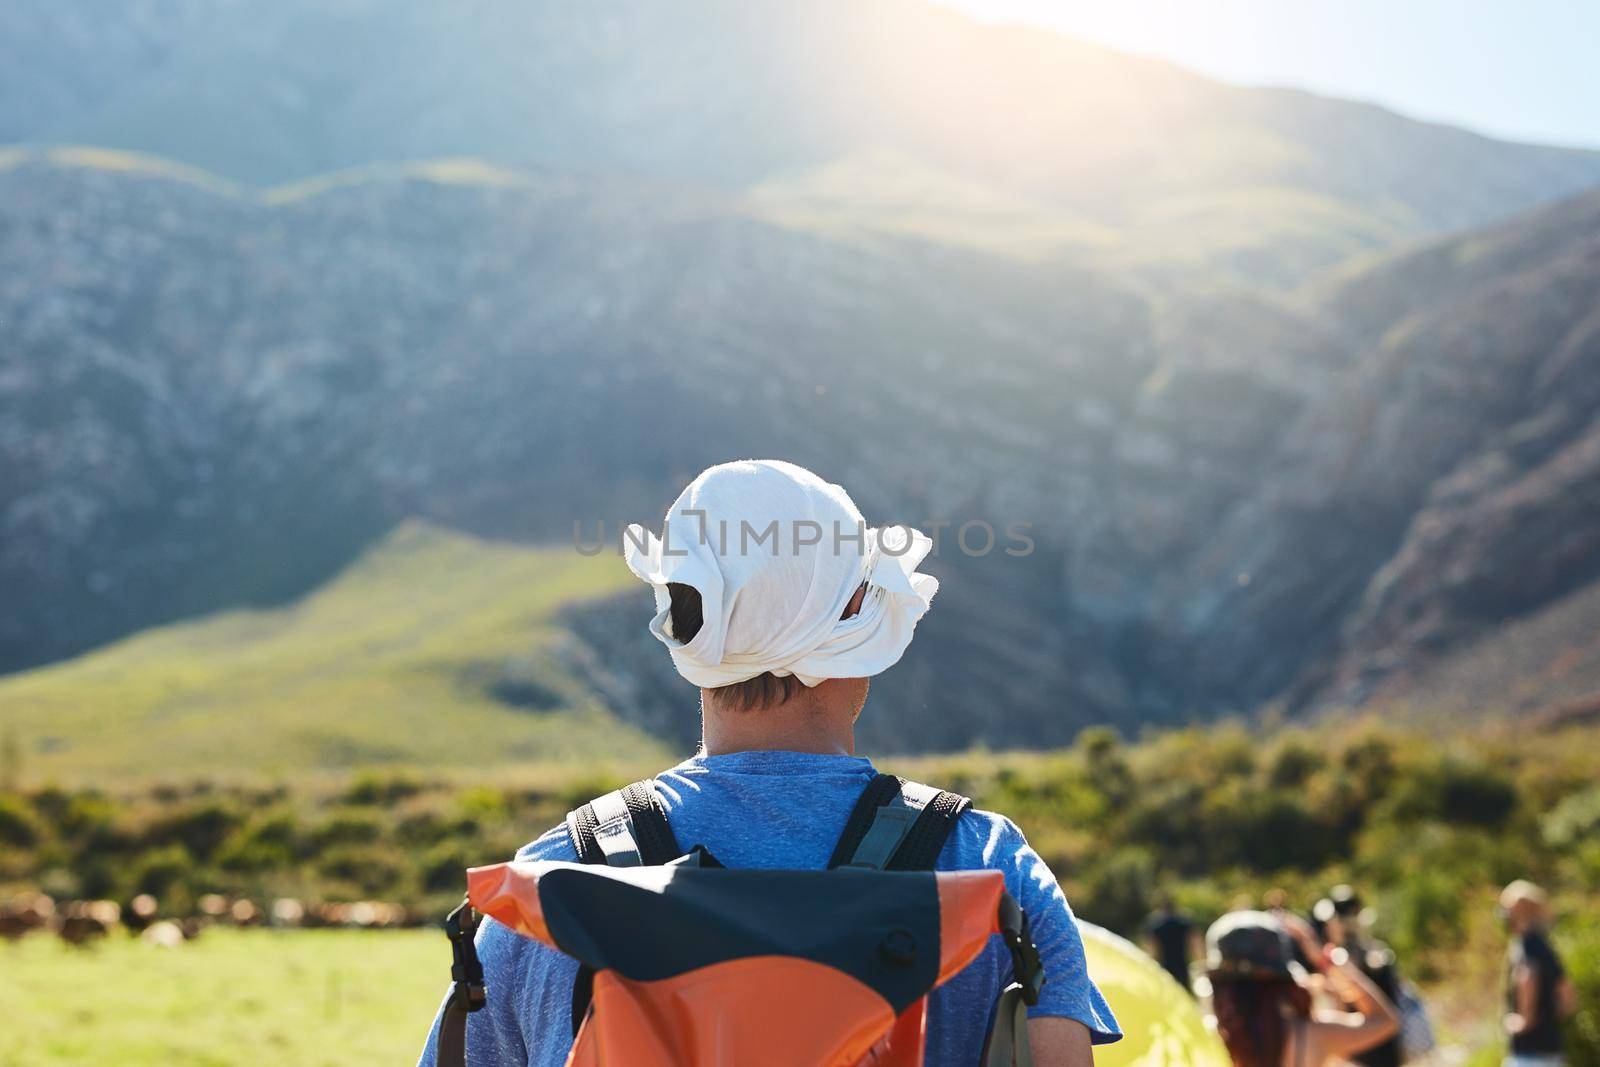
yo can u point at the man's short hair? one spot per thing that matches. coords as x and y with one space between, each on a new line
764 691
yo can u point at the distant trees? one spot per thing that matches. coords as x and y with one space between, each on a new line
1214 816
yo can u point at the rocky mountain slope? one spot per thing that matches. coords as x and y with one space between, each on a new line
799 104
1478 439
211 398
1439 483
228 404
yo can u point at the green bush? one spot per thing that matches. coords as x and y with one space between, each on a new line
277 828
364 871
429 826
1105 765
200 827
1170 819
20 826
1455 792
484 804
160 871
1120 891
350 826
87 814
444 866
1424 917
266 844
376 788
1574 821
1368 764
1293 764
1585 865
1216 816
1579 943
1265 831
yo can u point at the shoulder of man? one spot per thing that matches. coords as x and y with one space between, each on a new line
988 840
985 839
553 844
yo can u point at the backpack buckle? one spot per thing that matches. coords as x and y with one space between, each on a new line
1026 966
466 970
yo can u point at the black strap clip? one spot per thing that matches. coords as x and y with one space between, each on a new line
1025 963
466 970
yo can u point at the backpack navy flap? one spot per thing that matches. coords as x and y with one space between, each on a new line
651 923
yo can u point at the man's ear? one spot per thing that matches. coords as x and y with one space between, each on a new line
854 607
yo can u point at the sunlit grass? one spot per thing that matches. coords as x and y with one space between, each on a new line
395 661
888 194
452 171
232 997
89 157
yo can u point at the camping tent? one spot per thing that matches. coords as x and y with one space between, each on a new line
1161 1023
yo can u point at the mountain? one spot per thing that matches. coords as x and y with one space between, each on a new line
212 397
1439 484
1477 449
216 400
796 104
432 649
1290 399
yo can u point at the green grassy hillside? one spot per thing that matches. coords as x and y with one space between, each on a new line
434 648
1269 228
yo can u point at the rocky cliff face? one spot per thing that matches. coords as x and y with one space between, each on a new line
1482 455
208 398
1431 480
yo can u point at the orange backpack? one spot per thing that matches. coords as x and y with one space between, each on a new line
685 962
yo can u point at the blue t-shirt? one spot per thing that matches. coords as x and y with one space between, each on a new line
786 811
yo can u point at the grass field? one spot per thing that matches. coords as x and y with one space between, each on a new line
306 998
423 648
314 998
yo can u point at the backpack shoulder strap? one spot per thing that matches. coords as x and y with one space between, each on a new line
898 825
625 828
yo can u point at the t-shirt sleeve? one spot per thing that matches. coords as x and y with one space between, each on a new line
1068 991
530 989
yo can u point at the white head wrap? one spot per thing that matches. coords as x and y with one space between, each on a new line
776 553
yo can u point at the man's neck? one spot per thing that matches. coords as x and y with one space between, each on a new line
719 740
805 723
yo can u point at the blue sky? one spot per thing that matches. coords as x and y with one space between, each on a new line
1526 70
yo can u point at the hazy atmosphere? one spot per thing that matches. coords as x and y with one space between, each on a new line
1242 358
1519 71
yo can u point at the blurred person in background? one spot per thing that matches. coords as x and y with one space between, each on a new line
1539 994
1168 933
1347 924
1276 903
1262 1001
